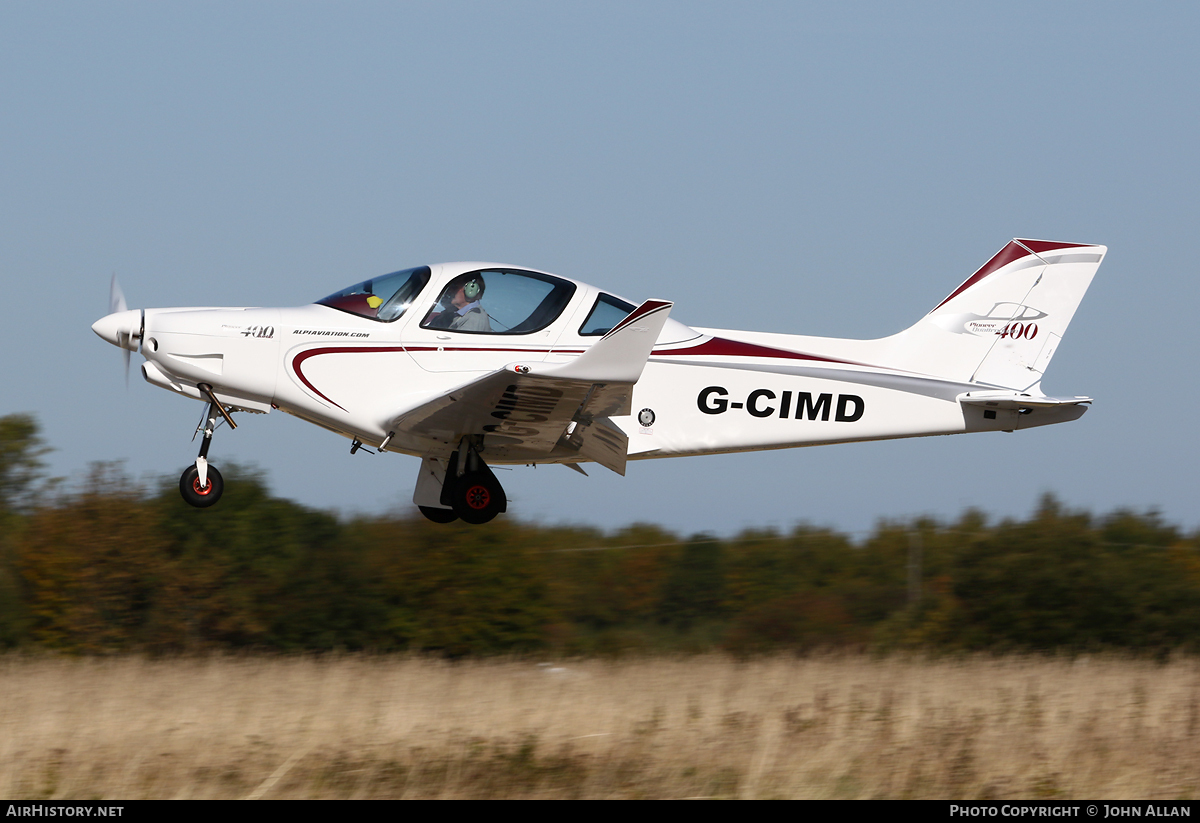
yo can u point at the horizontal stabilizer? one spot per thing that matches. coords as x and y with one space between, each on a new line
1016 400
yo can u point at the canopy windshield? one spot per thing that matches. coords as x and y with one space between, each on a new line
383 298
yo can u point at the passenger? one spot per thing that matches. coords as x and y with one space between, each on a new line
465 313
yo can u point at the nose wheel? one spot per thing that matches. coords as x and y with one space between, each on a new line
201 485
201 495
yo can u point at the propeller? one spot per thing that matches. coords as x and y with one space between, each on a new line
116 298
129 330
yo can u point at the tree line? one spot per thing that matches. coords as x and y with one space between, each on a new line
113 567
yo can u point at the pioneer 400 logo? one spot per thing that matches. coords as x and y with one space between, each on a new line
847 408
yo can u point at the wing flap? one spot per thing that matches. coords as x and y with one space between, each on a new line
600 442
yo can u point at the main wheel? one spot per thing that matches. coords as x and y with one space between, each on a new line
477 497
438 515
201 496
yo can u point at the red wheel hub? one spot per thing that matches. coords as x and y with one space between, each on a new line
478 497
198 489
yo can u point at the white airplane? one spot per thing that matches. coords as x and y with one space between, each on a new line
467 365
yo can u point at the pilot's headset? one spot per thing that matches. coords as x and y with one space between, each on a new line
473 289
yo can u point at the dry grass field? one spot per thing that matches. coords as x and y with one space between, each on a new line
823 727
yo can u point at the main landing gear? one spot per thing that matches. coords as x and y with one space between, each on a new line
201 484
470 491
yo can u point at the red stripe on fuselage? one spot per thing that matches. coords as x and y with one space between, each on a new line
723 347
487 348
299 359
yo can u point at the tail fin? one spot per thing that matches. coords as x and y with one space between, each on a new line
1002 325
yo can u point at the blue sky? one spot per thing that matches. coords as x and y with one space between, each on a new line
827 169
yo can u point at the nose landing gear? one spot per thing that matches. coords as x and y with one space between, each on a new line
198 494
201 485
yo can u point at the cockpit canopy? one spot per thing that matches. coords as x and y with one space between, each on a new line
491 300
484 301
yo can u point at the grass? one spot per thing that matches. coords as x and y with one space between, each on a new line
394 727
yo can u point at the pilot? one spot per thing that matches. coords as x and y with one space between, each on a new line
465 313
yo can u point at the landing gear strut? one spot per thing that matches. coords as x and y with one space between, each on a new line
471 490
201 484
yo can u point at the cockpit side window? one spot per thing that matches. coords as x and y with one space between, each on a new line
499 301
608 312
381 298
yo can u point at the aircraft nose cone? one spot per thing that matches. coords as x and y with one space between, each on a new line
119 327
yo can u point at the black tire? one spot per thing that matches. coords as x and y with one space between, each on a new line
193 495
477 497
438 515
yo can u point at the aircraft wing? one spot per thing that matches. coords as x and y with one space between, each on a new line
552 410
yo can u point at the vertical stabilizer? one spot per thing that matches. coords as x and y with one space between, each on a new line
1002 326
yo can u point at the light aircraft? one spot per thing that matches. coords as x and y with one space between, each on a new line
470 365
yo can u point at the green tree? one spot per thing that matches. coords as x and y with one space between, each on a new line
1058 582
695 585
454 589
21 467
256 571
91 568
21 450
